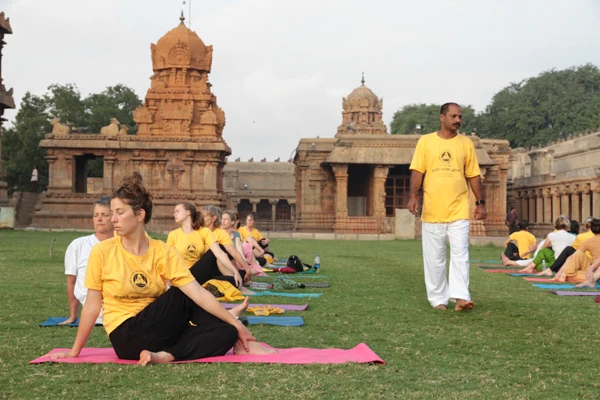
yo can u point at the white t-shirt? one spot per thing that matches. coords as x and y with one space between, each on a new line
560 240
34 175
76 259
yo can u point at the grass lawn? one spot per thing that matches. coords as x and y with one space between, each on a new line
519 343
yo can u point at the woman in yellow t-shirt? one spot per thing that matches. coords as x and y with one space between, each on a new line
260 243
126 274
212 220
200 249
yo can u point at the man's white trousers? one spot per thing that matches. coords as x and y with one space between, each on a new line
439 289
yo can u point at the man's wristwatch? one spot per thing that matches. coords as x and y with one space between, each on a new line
480 202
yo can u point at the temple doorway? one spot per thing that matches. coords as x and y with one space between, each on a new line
359 182
89 173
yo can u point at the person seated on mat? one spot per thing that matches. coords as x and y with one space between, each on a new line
245 249
520 244
569 250
557 240
212 220
145 321
576 266
251 235
77 254
200 249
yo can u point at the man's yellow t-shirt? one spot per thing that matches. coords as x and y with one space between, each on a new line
446 164
128 282
243 230
582 237
192 246
524 241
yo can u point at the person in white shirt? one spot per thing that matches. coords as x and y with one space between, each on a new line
34 179
77 254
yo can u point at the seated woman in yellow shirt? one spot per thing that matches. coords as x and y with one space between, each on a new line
126 275
200 249
260 243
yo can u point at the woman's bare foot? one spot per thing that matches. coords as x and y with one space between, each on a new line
68 321
464 305
238 310
530 269
546 272
255 348
441 307
148 357
586 284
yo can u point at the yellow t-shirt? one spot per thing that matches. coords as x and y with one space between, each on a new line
243 230
128 282
446 163
192 246
222 237
582 237
524 241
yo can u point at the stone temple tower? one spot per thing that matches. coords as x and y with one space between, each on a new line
179 102
362 113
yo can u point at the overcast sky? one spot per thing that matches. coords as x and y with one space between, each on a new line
281 67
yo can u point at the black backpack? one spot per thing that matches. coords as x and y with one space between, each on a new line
295 263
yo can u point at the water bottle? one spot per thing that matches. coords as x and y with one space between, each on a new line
543 265
317 264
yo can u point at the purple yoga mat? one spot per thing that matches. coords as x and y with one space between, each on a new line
567 293
287 307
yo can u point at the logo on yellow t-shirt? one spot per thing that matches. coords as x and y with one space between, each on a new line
446 156
191 248
139 281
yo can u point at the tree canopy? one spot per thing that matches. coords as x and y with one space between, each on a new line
532 112
20 150
428 116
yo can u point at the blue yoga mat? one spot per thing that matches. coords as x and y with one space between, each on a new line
557 286
54 321
523 275
281 294
272 320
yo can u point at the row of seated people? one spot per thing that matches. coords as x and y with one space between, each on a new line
154 307
568 254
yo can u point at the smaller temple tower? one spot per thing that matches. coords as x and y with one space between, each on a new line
362 113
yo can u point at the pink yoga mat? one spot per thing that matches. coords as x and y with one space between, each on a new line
287 307
506 271
359 354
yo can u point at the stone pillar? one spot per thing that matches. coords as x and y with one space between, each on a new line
186 177
210 176
539 207
273 208
292 204
564 200
531 202
596 201
108 173
518 207
254 203
380 173
575 204
547 193
555 204
586 207
524 206
341 192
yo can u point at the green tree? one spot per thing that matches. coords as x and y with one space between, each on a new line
20 150
64 102
548 107
115 102
428 116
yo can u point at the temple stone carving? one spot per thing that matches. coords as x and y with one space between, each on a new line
179 149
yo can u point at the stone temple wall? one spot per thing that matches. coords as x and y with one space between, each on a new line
561 178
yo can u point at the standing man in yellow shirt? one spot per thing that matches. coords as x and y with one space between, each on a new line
445 158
